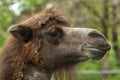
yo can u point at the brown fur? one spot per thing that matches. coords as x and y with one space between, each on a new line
16 54
46 17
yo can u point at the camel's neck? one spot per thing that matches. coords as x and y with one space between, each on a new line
12 66
10 62
33 72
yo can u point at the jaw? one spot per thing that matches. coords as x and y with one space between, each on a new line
78 56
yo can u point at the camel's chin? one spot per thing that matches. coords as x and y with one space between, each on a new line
82 59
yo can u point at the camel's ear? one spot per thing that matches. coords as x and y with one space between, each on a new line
21 32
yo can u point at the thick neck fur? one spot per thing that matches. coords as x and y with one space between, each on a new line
14 67
33 72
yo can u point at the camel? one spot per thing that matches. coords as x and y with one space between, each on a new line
45 44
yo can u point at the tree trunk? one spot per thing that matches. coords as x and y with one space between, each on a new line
105 32
114 31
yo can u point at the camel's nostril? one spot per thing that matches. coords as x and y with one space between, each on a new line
95 34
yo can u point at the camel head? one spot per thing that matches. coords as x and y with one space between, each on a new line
52 43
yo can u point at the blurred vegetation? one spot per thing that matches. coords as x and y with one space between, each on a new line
103 15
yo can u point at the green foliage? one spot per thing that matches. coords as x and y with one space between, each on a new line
114 77
28 4
5 20
90 77
9 17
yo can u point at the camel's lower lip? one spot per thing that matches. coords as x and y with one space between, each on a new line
95 53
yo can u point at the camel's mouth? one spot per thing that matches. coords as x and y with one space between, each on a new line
94 53
91 53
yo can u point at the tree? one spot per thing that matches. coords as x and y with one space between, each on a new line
114 30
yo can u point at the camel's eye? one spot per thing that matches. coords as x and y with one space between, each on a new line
56 32
54 35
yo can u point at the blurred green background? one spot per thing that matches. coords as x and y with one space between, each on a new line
103 15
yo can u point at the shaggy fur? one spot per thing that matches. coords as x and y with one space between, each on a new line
17 55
